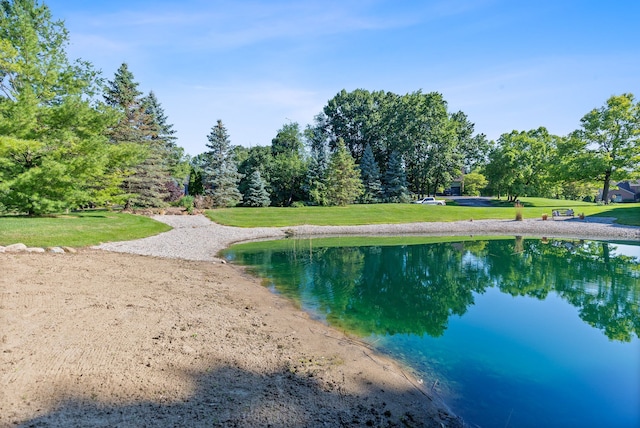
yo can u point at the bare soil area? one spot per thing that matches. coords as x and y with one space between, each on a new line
112 339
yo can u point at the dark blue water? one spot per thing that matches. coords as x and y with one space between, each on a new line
516 332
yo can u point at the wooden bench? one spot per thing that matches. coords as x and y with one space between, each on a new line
563 212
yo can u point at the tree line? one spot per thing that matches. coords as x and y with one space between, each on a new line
370 147
71 139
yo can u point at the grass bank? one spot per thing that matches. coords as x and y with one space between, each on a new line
628 214
77 229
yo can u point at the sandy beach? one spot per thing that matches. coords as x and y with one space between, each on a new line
159 332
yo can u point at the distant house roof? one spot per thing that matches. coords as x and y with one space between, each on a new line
633 186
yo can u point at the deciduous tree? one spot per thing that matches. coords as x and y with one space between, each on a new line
53 153
520 163
288 167
607 147
474 182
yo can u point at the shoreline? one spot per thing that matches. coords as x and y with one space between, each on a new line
198 238
160 331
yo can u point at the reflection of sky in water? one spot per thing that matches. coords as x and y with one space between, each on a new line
627 250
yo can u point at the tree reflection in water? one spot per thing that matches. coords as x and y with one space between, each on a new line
414 289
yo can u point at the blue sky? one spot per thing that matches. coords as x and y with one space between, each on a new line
258 65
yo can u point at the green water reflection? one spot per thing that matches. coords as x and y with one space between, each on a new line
415 297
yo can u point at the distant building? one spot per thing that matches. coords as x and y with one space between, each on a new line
627 191
456 188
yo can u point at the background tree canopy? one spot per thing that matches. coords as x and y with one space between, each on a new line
68 140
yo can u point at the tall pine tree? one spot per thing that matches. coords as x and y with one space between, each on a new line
395 183
256 195
370 175
146 186
220 177
135 124
163 140
318 143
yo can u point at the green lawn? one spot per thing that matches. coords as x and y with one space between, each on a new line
92 228
408 213
78 229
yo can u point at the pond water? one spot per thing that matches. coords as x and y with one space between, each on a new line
509 332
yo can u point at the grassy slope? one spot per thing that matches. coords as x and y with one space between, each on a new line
408 213
77 230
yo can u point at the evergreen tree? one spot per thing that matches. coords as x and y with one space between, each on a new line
163 139
196 175
160 128
162 132
142 122
147 187
370 175
135 124
343 184
395 180
221 176
316 178
256 194
317 142
34 66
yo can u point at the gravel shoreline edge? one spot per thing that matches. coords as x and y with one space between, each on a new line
197 238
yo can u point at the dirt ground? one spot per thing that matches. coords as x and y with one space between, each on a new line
106 339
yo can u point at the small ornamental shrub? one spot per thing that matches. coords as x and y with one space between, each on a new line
518 211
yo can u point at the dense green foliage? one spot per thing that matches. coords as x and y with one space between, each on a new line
61 147
410 145
395 180
607 147
520 163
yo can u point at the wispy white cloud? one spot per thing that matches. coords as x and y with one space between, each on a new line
230 24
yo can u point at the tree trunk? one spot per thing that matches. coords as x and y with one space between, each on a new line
605 187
